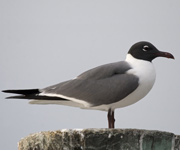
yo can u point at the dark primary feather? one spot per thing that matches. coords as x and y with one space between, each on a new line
24 91
29 94
35 97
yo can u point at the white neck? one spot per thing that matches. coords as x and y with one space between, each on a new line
131 59
143 69
142 66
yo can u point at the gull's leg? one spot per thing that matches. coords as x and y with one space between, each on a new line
111 119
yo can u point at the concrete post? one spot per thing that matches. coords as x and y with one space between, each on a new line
100 139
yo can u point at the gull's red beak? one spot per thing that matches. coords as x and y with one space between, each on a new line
165 54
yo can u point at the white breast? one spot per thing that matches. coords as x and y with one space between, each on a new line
146 73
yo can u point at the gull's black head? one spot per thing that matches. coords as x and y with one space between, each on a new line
146 51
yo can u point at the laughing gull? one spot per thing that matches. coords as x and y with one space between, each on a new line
106 87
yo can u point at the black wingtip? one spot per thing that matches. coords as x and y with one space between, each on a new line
6 91
30 94
24 91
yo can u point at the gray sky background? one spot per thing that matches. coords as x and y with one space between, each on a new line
46 42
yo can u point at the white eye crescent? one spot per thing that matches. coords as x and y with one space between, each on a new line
145 48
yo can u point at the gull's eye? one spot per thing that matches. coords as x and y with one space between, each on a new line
145 48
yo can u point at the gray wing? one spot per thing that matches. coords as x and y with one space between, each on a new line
102 85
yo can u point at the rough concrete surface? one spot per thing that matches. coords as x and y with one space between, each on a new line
100 139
